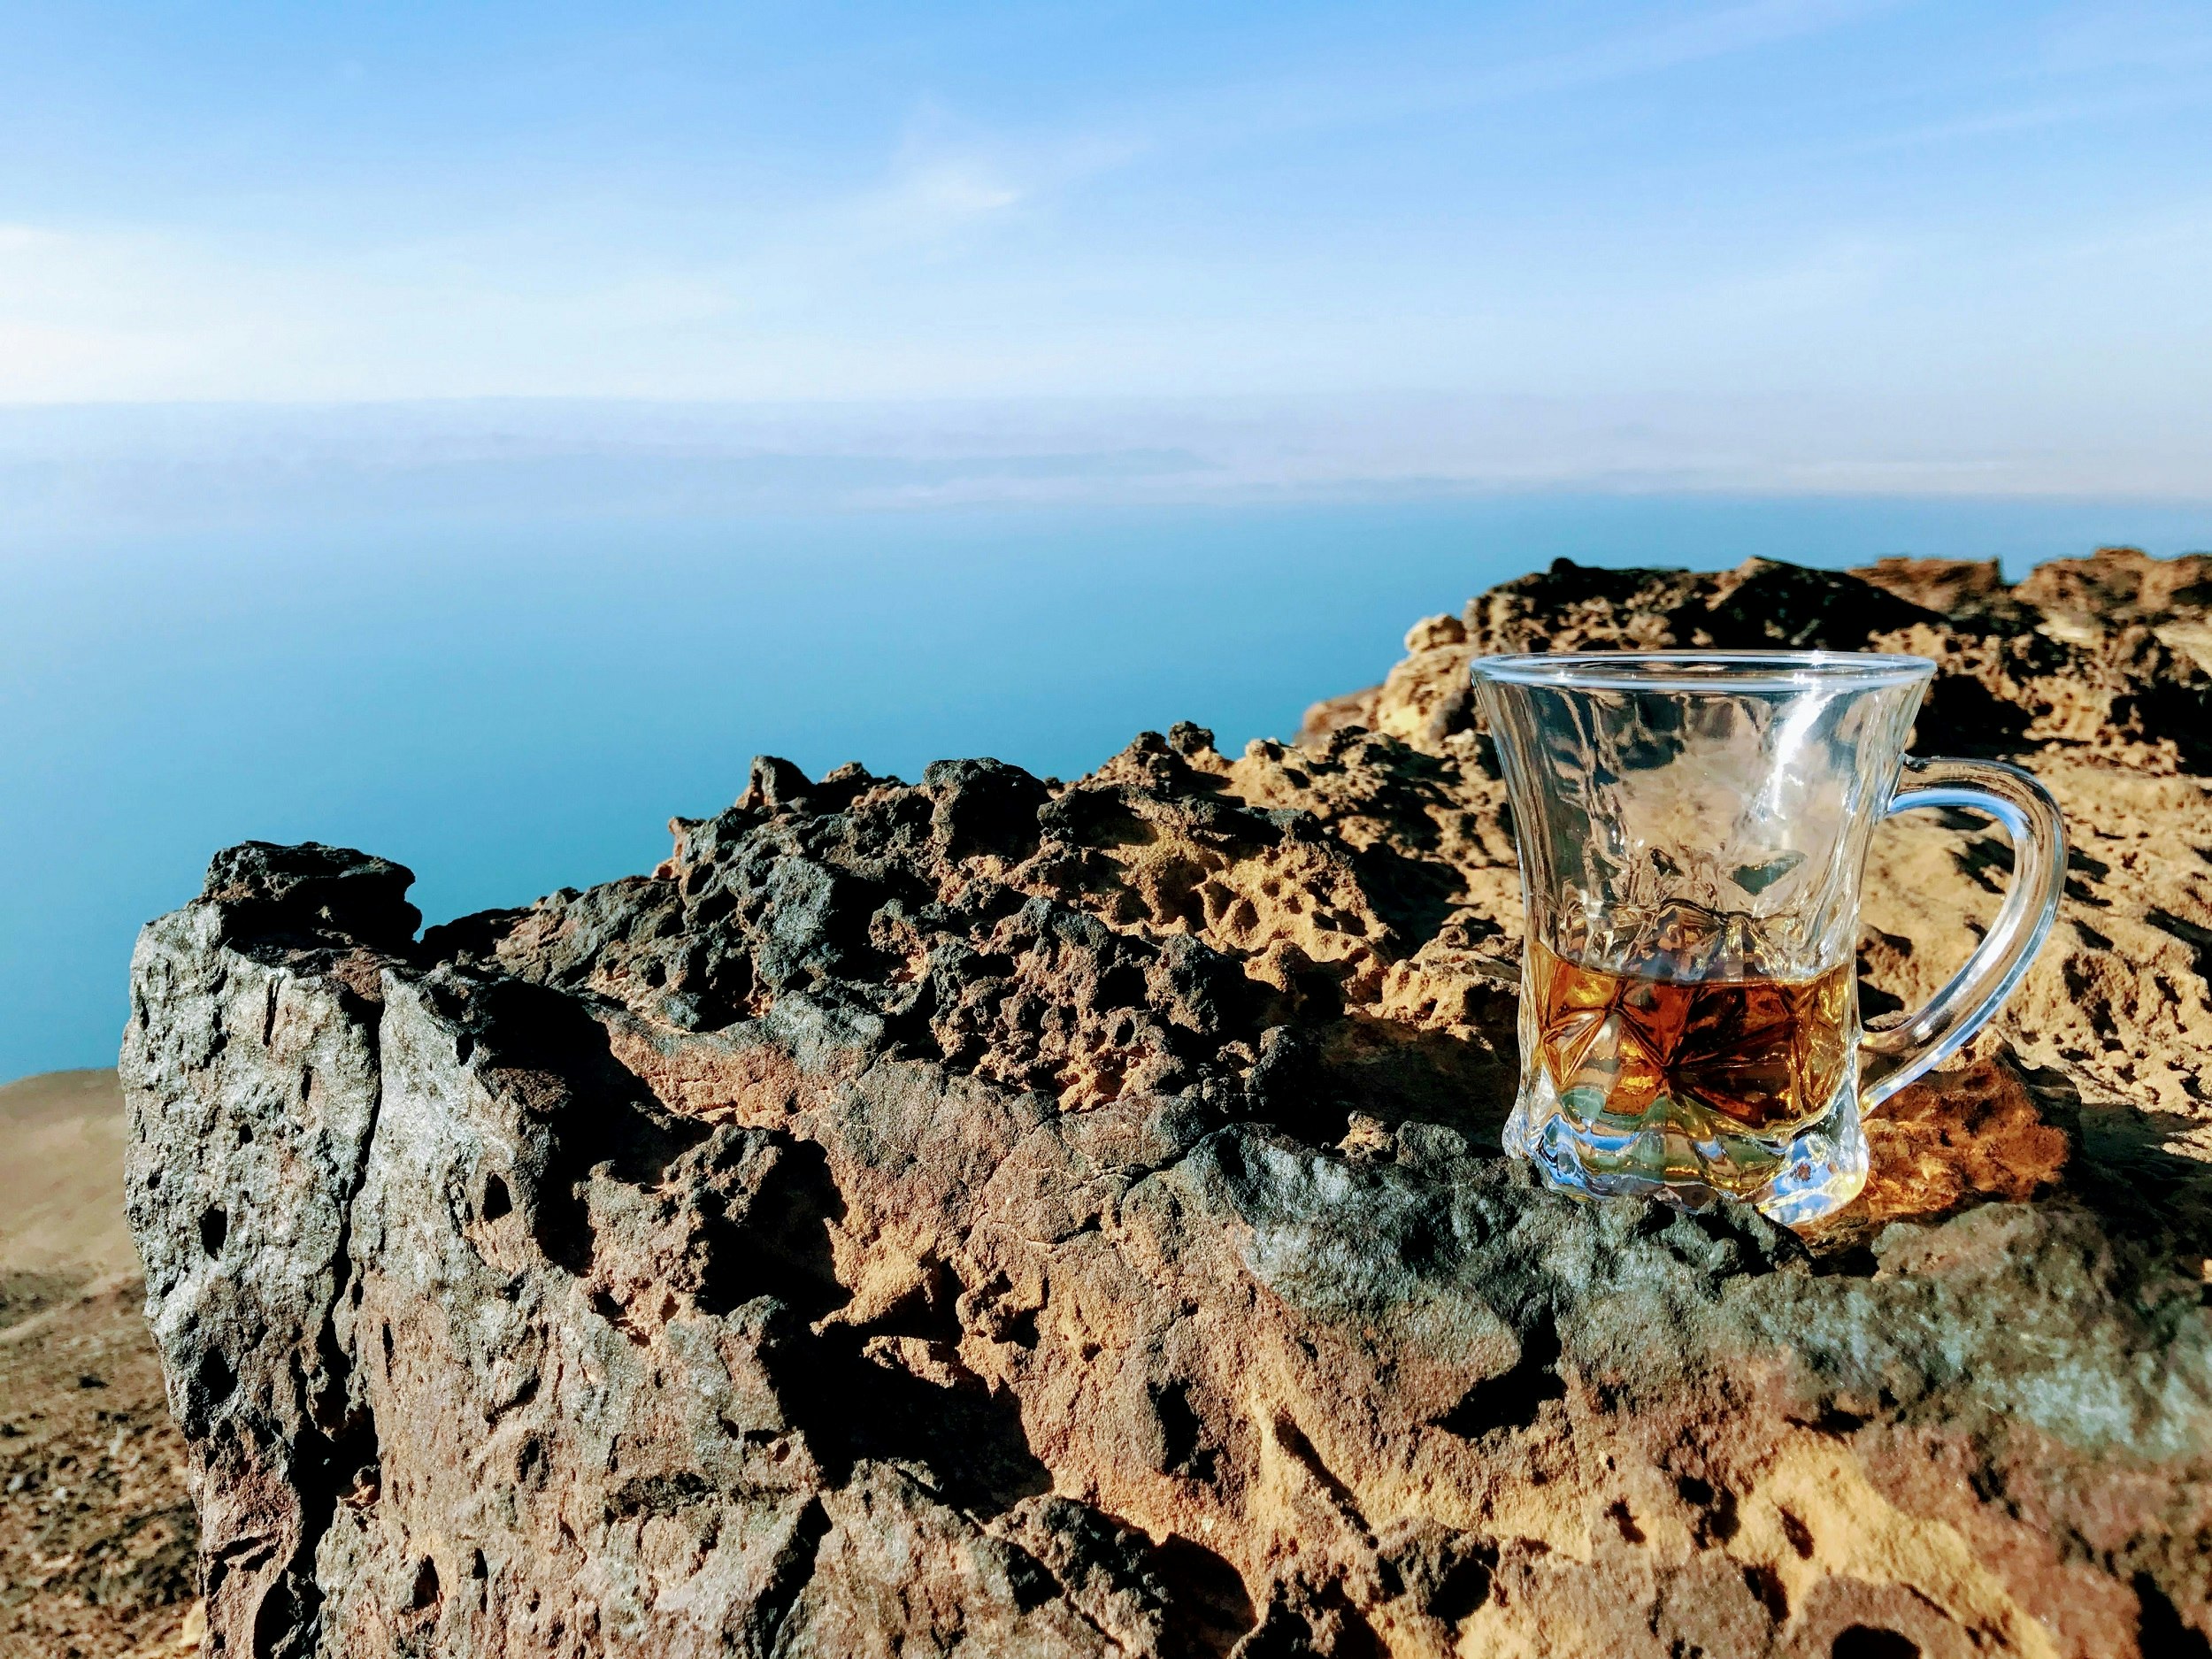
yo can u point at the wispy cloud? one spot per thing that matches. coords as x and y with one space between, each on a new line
1698 37
942 178
108 313
1465 70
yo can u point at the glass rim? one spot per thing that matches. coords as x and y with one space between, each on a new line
1702 671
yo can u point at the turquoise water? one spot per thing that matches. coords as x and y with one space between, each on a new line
513 710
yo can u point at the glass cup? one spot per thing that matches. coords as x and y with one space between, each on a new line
1693 830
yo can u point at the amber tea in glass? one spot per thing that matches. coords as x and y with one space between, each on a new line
1756 1054
1692 830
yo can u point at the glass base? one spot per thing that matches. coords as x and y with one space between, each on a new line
1690 1159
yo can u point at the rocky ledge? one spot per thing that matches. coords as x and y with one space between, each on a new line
1007 1217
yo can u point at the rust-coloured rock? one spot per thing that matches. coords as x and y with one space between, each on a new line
995 1217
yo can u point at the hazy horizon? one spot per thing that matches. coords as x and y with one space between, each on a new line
73 471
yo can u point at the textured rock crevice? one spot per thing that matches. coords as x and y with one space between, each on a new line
1000 1216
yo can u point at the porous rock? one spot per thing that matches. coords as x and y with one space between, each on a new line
998 1216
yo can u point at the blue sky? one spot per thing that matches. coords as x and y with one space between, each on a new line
1984 217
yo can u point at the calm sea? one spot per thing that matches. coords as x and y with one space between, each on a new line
511 710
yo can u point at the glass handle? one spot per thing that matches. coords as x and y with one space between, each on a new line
1890 1059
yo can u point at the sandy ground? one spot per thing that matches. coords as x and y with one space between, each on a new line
96 1536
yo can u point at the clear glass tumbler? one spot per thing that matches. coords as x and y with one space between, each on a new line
1693 830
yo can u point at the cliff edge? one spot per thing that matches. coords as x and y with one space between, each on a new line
998 1216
